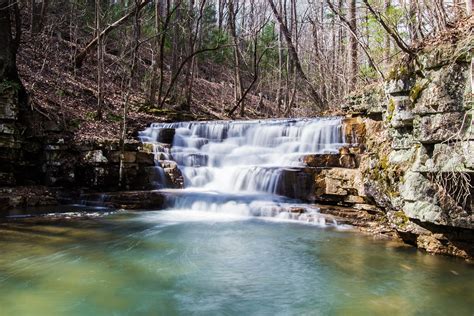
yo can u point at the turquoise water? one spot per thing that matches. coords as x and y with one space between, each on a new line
188 263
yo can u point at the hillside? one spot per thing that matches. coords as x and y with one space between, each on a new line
67 95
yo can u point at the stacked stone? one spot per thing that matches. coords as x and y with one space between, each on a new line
10 145
424 132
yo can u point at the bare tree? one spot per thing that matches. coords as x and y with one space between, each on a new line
353 44
292 51
134 44
100 59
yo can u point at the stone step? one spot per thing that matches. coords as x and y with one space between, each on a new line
330 161
125 199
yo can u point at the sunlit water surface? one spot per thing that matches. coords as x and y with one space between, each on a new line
181 263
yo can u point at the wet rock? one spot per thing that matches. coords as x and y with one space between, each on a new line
331 160
354 130
166 135
126 199
175 177
297 183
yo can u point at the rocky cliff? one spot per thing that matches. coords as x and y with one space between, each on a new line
418 162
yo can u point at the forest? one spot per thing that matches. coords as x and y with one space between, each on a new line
236 157
228 58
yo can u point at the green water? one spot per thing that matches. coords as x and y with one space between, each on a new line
173 263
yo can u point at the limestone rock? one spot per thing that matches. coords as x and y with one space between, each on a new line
398 86
330 160
444 92
340 181
176 179
417 187
354 130
370 102
438 127
425 212
402 139
457 156
94 156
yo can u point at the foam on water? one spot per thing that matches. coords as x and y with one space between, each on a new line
243 158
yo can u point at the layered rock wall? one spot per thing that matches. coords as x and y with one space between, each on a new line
419 149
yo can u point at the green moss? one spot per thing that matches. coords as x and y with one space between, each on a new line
90 116
398 73
148 148
75 123
384 162
417 89
401 220
390 109
114 117
60 92
9 85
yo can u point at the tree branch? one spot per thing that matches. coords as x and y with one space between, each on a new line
81 56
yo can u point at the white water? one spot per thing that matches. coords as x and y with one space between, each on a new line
236 167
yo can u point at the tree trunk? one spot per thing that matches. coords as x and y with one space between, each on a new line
42 17
238 89
387 50
80 57
35 14
134 44
156 54
9 45
353 45
280 69
176 43
295 58
100 59
220 13
194 31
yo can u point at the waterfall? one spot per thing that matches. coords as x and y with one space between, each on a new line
235 160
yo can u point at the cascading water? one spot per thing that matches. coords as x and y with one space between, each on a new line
236 167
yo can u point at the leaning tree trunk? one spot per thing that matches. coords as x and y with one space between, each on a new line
295 58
